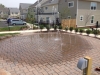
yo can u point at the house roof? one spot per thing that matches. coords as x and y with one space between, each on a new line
50 2
14 10
25 5
33 5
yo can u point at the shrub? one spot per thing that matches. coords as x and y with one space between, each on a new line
66 28
88 31
41 27
76 30
81 30
48 27
95 32
55 27
60 27
71 29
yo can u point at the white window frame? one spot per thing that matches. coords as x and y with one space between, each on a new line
69 16
91 19
91 5
82 17
71 6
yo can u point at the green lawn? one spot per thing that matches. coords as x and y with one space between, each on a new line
4 34
12 28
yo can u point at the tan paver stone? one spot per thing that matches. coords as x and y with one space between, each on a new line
4 72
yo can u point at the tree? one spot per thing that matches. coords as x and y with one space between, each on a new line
2 5
87 18
64 12
30 15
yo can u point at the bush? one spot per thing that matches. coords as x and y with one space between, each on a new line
66 28
60 27
95 32
55 27
71 29
48 27
76 30
88 31
35 27
41 27
81 30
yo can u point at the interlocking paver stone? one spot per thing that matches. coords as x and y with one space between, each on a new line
48 54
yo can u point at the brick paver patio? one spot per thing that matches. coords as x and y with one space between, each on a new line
39 55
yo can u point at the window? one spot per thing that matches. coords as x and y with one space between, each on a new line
65 0
92 19
71 4
46 8
81 18
69 17
16 12
47 19
93 5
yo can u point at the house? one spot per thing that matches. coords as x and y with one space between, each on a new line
14 13
23 7
86 12
4 12
49 11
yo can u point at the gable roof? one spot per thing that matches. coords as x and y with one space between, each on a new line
25 5
33 5
50 2
14 10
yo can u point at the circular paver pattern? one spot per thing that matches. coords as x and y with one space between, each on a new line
47 53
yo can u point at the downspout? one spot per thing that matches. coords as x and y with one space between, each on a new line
77 14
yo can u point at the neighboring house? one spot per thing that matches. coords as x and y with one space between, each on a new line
4 12
49 11
86 12
24 10
14 13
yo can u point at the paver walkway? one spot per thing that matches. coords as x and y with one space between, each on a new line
36 54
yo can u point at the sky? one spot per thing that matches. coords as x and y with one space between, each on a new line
15 3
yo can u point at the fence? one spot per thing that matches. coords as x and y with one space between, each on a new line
69 23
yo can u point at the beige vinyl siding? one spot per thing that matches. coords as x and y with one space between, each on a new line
84 9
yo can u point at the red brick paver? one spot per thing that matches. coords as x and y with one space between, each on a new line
44 55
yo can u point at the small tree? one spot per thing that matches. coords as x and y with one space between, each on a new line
71 29
95 32
48 27
41 27
88 32
60 27
76 30
81 31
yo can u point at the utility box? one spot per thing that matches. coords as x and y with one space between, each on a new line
82 63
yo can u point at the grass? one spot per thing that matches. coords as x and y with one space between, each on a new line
4 34
13 28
